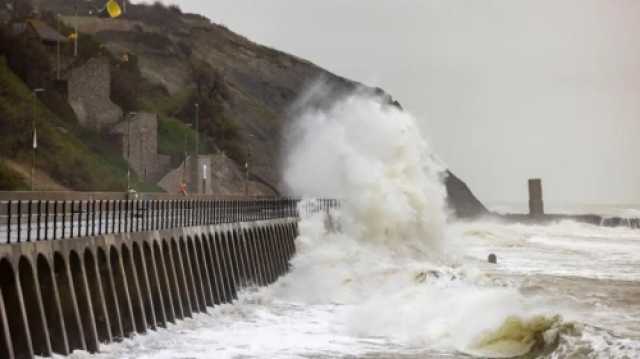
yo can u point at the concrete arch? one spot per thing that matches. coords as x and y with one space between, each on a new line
53 311
238 241
154 285
172 280
14 314
122 292
259 253
103 326
224 288
271 251
6 345
231 254
163 282
144 285
33 307
212 275
181 278
187 262
255 255
227 265
248 240
85 306
73 325
109 294
203 270
281 239
278 252
287 237
134 290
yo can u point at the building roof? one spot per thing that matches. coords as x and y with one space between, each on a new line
46 32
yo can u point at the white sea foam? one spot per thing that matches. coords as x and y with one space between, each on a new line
390 260
395 279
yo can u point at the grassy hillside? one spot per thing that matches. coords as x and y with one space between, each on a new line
11 179
74 157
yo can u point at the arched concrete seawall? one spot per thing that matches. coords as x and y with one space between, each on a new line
60 295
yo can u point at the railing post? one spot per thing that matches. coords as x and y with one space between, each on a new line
64 219
19 221
162 214
99 210
73 223
39 219
137 206
119 202
112 205
93 217
9 222
29 221
55 219
46 220
126 216
193 213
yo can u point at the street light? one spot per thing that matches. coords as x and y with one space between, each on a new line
184 163
246 167
33 129
129 116
197 150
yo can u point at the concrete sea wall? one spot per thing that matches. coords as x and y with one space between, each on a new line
60 295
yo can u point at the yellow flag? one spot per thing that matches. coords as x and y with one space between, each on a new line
113 8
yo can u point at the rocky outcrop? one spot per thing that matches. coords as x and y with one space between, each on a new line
463 203
89 89
254 88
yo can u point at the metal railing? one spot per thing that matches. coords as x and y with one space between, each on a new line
38 220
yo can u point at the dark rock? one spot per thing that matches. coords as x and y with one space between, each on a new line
461 200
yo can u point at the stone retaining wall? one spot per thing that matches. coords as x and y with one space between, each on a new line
59 296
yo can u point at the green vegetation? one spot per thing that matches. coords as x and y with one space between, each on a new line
174 138
75 157
11 180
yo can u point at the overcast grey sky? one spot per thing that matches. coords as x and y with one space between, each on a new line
505 90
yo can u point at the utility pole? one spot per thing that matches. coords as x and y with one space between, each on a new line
197 150
58 49
143 167
75 29
184 163
34 134
129 116
246 172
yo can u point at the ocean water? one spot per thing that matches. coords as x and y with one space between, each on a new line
350 300
389 276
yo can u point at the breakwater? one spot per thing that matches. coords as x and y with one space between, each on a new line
102 271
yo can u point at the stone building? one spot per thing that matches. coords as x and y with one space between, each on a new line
89 90
142 151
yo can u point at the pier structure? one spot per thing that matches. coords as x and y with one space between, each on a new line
78 273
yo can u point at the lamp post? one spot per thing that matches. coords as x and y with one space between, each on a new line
75 29
58 48
184 163
197 147
143 167
34 133
246 166
129 116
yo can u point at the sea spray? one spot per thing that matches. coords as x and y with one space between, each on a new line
372 156
389 264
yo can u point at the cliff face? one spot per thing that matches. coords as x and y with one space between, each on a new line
166 62
243 89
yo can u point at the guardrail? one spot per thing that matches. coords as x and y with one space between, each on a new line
37 220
